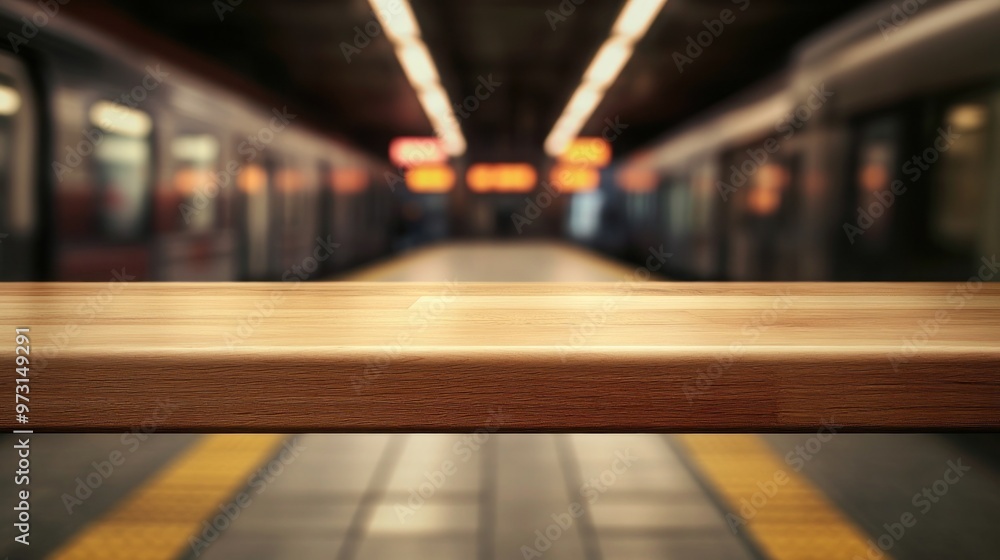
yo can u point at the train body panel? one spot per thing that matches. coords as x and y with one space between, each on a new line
150 169
803 166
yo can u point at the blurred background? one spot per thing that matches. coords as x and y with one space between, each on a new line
750 139
505 140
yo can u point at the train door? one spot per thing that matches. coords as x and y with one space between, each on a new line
19 218
105 207
252 220
643 218
325 202
703 247
297 219
760 244
194 241
674 214
964 194
869 251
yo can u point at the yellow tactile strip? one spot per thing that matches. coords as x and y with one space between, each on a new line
159 519
787 516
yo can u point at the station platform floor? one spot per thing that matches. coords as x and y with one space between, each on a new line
492 261
486 495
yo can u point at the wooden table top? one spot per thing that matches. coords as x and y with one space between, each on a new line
625 356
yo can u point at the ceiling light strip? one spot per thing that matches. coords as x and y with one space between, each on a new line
401 28
631 25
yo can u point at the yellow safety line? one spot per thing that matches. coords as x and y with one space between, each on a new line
791 520
159 519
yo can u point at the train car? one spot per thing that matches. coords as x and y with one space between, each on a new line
115 163
828 170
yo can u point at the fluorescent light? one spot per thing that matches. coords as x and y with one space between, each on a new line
632 23
453 142
555 145
195 148
10 101
435 103
636 17
967 117
119 119
582 104
401 28
417 64
608 63
397 20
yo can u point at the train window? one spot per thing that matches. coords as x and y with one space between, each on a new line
253 182
10 100
291 184
703 193
678 206
10 103
585 212
18 220
877 168
769 183
123 164
960 184
195 158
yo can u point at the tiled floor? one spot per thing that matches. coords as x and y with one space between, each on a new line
510 496
489 496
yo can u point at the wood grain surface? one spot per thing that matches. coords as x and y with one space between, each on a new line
626 356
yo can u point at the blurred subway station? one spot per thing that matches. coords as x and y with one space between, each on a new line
514 141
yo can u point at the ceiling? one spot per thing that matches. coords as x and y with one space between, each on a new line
294 50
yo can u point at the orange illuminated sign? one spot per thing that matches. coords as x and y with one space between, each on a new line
501 177
349 180
189 179
252 179
430 179
637 179
574 178
288 180
411 151
588 151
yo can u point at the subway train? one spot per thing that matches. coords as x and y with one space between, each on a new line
114 164
870 156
